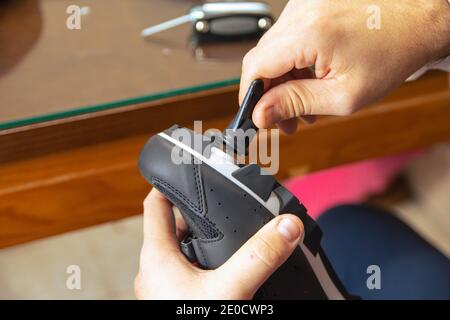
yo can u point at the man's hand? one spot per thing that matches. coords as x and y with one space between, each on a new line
354 65
165 273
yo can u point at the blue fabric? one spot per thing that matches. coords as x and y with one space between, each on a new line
356 237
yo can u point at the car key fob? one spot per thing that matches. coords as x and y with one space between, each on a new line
230 21
222 21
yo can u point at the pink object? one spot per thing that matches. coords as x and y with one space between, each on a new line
351 183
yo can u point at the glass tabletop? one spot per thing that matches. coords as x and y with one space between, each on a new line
49 71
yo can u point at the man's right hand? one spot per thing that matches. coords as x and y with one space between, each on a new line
354 64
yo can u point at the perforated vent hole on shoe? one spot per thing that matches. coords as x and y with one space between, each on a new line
219 203
234 230
227 217
245 195
211 190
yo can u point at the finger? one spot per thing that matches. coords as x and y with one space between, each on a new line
159 223
254 67
260 256
308 119
264 41
299 98
181 226
271 60
138 286
288 126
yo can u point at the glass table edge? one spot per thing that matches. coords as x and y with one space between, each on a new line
116 104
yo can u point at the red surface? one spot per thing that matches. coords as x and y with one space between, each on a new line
351 183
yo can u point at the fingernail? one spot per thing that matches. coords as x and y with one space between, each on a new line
289 229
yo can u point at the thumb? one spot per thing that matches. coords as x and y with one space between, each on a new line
261 255
297 98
